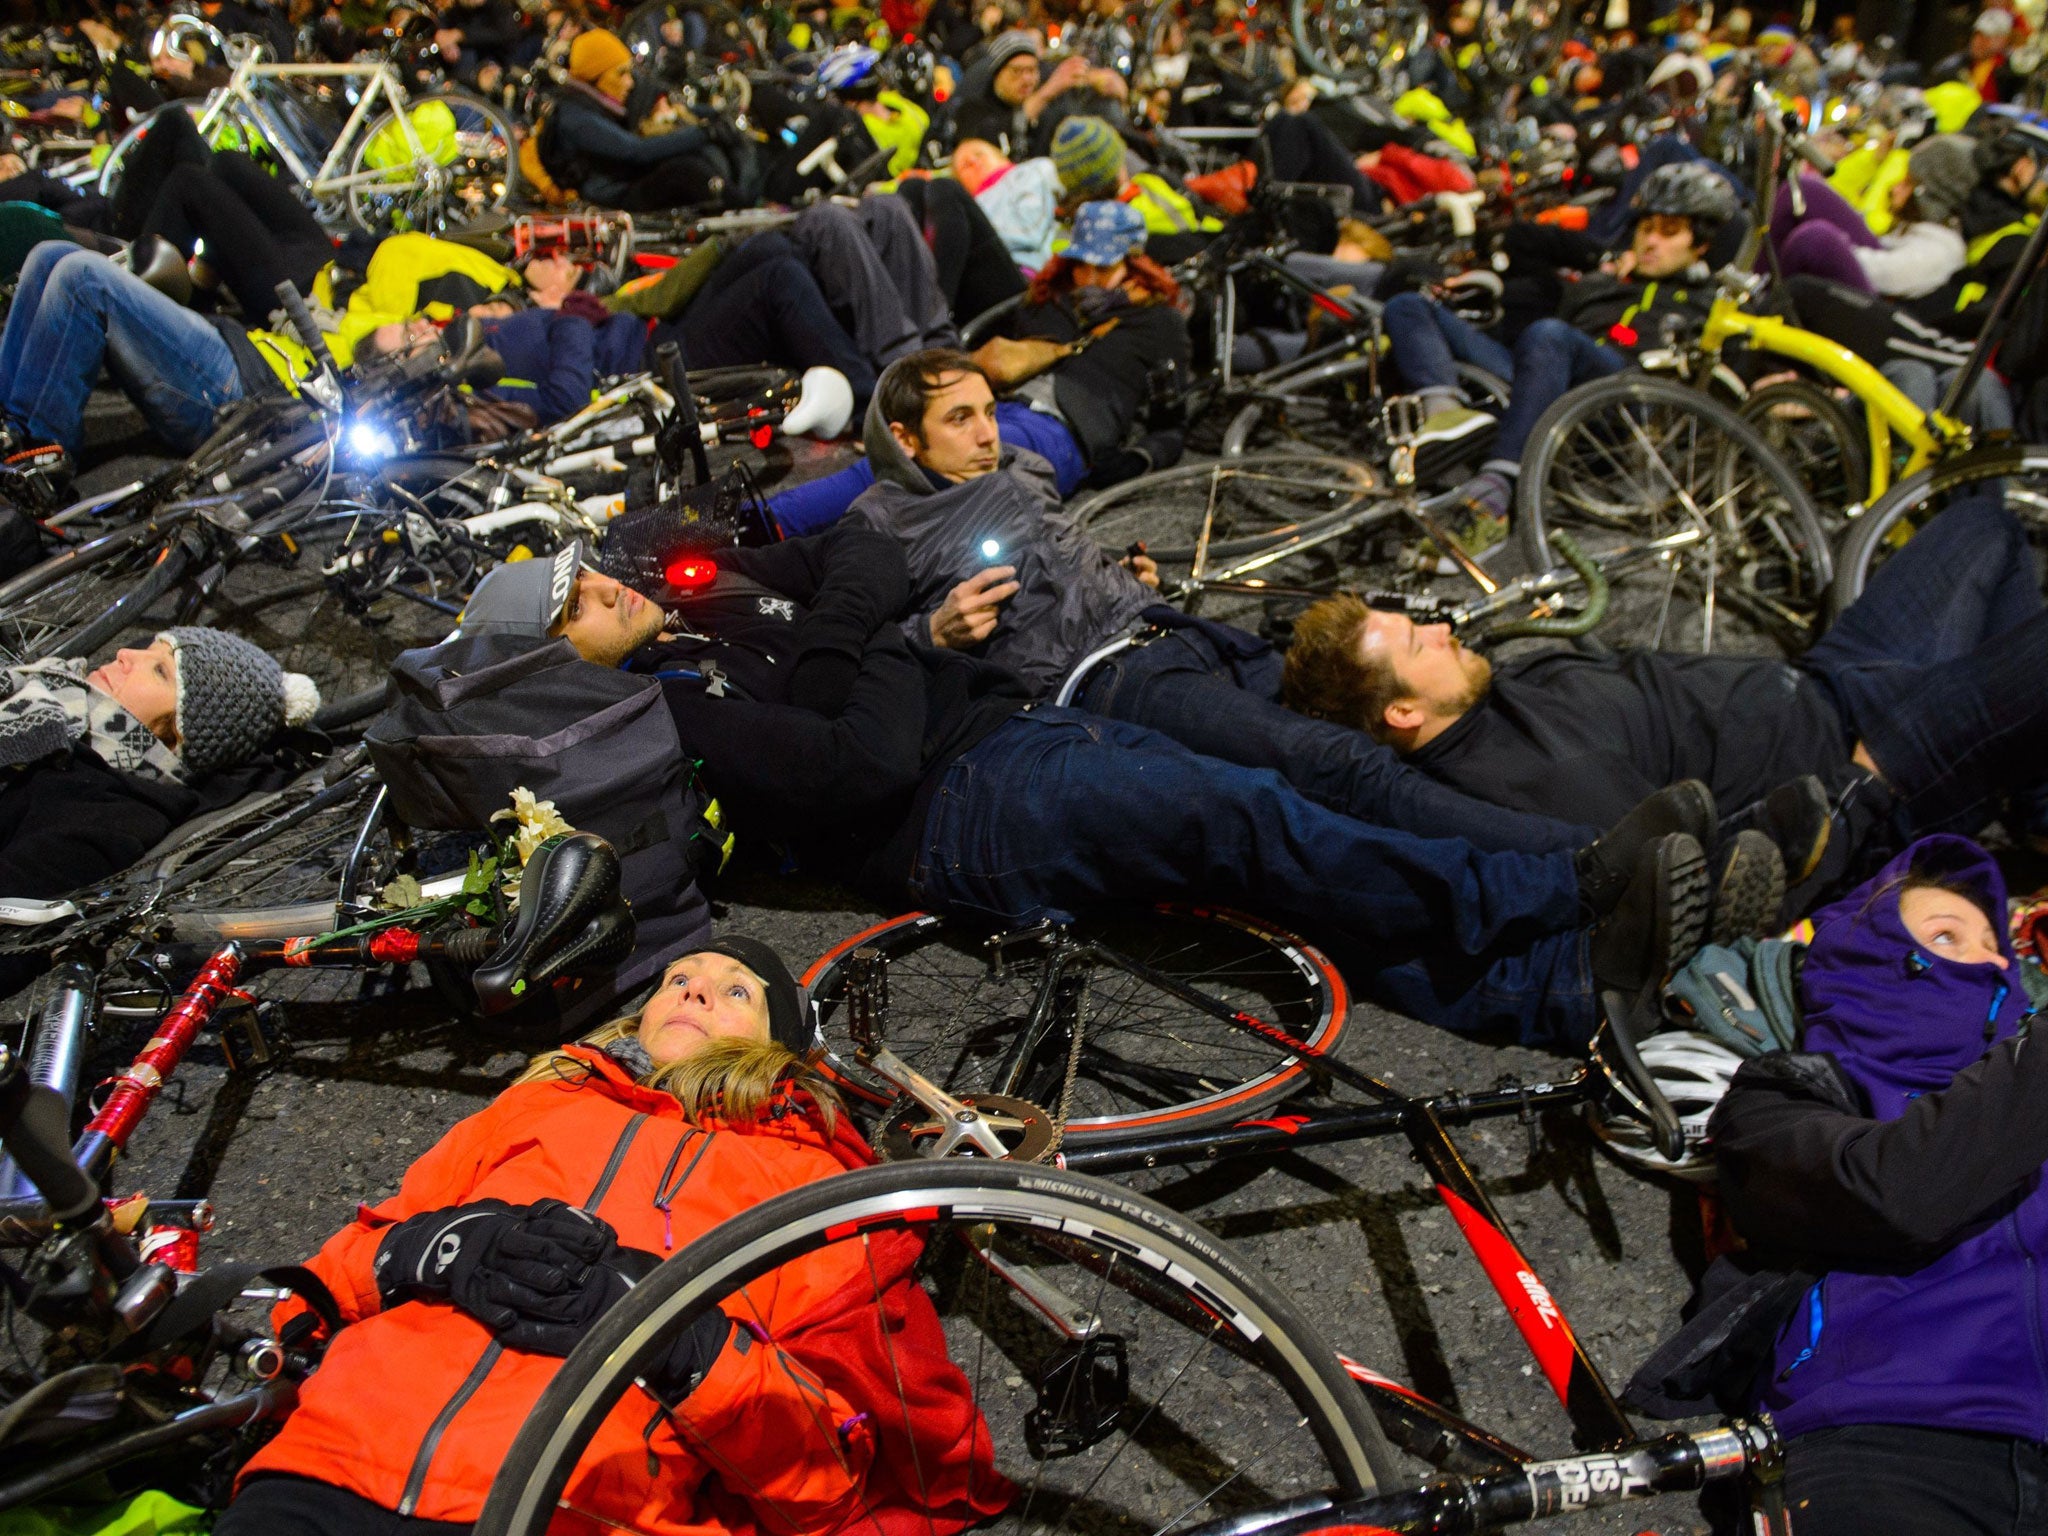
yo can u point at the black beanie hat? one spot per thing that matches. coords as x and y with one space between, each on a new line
789 1007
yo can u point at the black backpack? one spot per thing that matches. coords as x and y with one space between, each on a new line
476 717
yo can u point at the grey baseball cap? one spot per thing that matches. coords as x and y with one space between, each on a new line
525 597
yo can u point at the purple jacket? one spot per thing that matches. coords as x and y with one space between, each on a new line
1956 1342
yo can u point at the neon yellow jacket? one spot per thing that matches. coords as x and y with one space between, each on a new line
391 286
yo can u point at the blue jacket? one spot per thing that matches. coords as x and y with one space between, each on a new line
1947 1334
553 360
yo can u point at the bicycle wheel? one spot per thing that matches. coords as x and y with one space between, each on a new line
1261 501
1810 430
1712 543
81 598
2016 471
1195 1391
1149 1060
482 177
1333 409
268 867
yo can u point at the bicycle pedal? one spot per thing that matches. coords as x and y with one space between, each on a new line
246 1035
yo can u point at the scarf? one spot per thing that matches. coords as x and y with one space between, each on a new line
49 707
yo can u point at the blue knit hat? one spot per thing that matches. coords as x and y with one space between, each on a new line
1105 233
1089 155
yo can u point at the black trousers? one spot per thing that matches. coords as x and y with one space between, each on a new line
276 1505
1895 1480
976 270
256 230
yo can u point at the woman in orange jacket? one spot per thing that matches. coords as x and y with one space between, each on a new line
515 1233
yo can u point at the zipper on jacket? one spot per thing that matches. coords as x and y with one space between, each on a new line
416 1479
665 1192
1816 1320
2019 1241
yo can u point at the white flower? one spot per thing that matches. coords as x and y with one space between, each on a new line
538 820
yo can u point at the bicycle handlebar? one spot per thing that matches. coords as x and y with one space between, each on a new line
302 321
1598 595
35 1125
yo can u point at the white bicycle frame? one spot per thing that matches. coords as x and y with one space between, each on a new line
326 179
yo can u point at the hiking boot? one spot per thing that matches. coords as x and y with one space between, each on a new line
1452 426
35 476
1799 818
1749 889
1481 535
1660 920
1606 867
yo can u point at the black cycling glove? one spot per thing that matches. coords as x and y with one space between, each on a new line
493 1260
554 1325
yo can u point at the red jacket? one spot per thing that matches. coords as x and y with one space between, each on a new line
1408 175
415 1407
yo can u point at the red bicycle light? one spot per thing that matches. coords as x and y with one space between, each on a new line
1623 335
691 573
762 435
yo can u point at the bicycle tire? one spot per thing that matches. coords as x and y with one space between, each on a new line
1634 457
375 213
79 598
1329 490
1916 498
1297 407
1152 1063
1146 1266
1813 433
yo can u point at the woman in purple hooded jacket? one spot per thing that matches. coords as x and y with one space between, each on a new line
1889 1176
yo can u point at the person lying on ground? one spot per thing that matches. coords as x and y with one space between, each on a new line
1920 710
1098 324
75 312
918 774
520 1228
1886 1181
99 766
1918 255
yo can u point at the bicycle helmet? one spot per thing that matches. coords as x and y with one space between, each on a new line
1694 1072
1693 190
847 66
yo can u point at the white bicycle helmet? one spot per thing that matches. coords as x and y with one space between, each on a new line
847 65
1694 1072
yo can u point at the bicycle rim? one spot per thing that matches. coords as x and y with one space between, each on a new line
1261 501
1231 1403
2018 474
1149 1061
82 597
1631 460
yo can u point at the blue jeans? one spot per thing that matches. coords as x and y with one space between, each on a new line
818 504
1222 699
1428 343
75 310
1938 669
1057 811
1552 357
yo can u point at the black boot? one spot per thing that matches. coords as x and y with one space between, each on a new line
1607 866
1659 922
1750 889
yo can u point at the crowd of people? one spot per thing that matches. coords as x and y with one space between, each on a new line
936 687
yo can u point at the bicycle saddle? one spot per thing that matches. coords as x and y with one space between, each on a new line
161 265
465 356
570 916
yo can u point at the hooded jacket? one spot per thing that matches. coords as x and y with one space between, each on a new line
415 1406
1899 1156
1073 597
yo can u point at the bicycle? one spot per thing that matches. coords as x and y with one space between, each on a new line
180 1371
1126 1367
374 169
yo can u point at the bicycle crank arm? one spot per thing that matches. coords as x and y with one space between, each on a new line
958 1125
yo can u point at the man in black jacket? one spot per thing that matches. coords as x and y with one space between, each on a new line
927 777
1922 705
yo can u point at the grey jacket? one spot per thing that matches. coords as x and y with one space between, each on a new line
1073 597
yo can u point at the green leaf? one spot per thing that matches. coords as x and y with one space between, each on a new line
401 893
